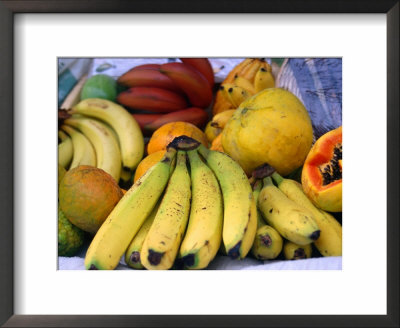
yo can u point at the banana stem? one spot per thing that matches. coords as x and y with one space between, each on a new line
169 155
257 185
277 178
268 181
181 158
203 151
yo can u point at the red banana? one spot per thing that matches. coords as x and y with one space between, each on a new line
147 66
152 99
147 77
194 115
193 83
203 66
144 119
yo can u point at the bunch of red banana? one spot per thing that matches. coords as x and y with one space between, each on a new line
178 91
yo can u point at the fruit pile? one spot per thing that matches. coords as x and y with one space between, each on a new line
195 187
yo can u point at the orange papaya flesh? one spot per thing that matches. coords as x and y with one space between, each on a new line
322 172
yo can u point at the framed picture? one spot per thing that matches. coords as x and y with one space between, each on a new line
35 34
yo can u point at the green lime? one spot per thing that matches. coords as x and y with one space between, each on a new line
100 86
70 237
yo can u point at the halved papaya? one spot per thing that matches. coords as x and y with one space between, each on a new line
322 172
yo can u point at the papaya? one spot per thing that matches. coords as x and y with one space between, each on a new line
271 127
321 177
87 195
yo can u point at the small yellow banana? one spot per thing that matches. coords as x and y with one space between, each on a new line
236 95
203 235
84 153
291 220
132 254
329 242
267 242
249 72
162 242
263 80
65 150
125 220
293 251
240 81
220 119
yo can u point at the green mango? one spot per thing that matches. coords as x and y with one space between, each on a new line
100 86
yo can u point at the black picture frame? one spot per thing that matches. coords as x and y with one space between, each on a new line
7 11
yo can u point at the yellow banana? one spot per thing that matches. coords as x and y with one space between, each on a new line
291 220
65 150
220 119
240 209
329 242
268 242
236 95
250 71
125 220
84 153
240 81
129 134
102 138
203 236
162 242
263 80
293 251
211 132
132 254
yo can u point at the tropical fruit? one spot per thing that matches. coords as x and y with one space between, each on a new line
165 134
100 86
147 163
70 237
271 127
87 195
322 172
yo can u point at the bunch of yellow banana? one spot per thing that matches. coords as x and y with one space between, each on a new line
286 210
179 214
248 78
101 133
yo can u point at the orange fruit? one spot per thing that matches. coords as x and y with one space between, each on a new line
147 163
87 195
217 144
166 133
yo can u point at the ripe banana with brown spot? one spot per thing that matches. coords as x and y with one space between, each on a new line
220 119
293 251
132 254
236 95
240 81
125 220
268 242
329 242
162 242
263 79
291 220
203 235
240 209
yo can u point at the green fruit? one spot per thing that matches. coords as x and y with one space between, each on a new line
70 237
100 86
